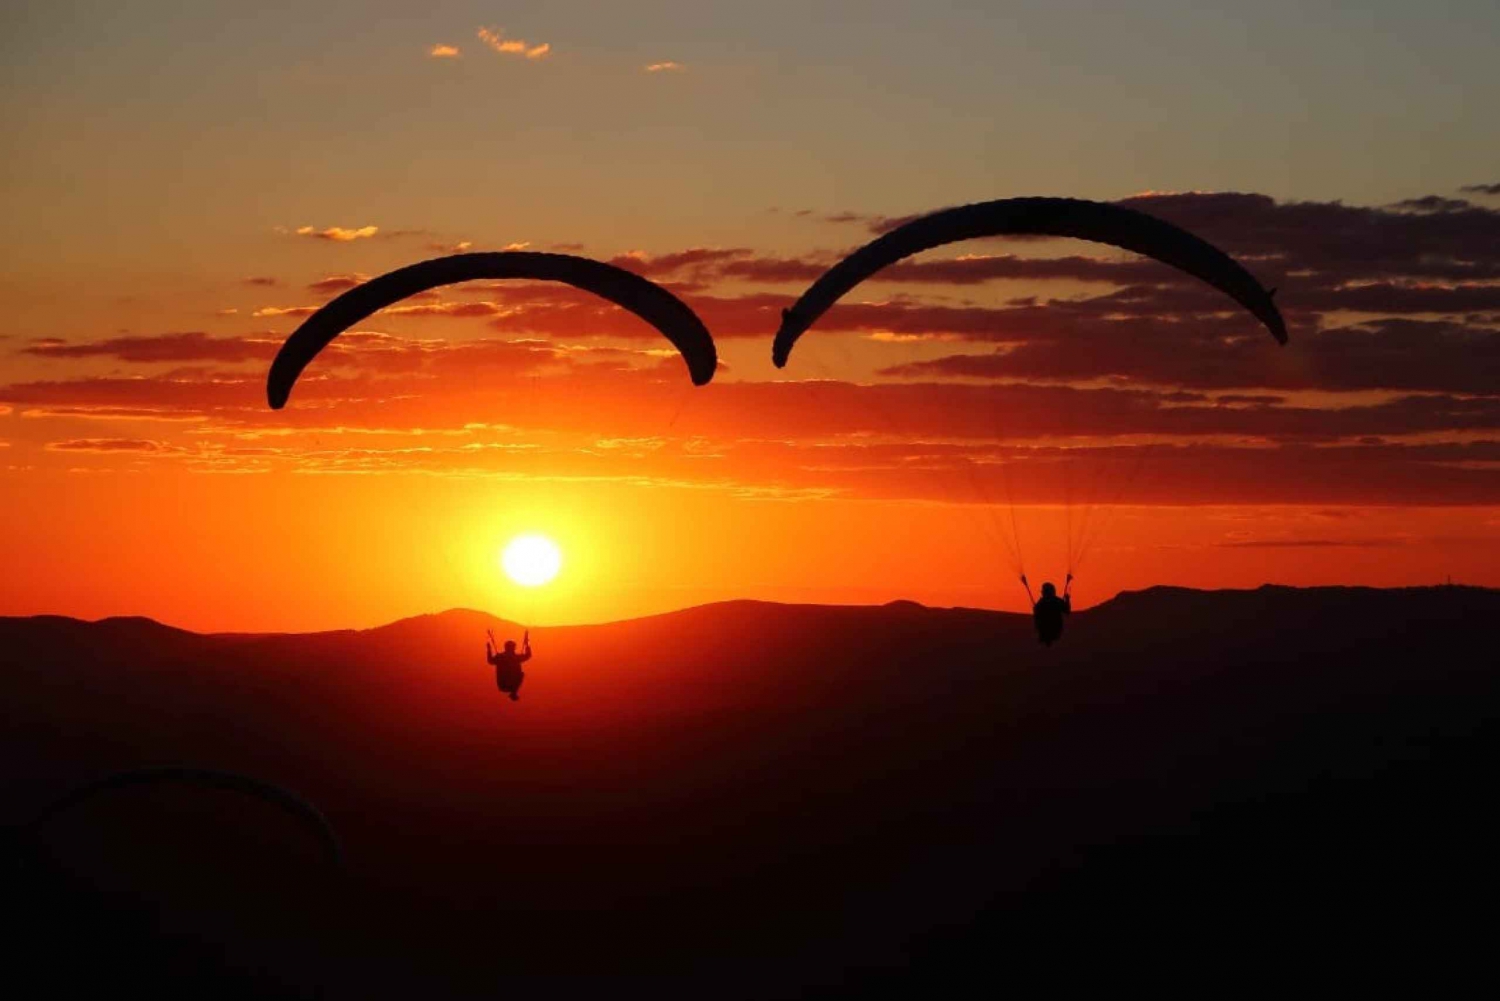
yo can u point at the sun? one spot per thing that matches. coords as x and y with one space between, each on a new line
531 560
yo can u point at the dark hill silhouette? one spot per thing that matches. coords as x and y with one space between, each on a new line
761 800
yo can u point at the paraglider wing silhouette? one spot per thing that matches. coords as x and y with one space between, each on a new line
1099 222
304 811
643 297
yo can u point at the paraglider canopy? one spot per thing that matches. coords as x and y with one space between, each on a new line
646 299
1099 222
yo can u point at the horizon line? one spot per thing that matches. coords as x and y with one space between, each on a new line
1268 585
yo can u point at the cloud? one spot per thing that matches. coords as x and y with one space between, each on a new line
441 51
261 281
452 309
93 412
666 264
494 38
1432 203
338 234
874 222
1334 242
1312 544
965 270
268 312
337 283
962 474
1481 189
1326 244
451 248
109 445
773 270
928 441
665 67
1390 353
432 375
190 346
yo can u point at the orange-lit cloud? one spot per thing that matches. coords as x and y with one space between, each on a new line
513 46
156 348
665 67
267 312
108 445
859 467
667 264
338 234
441 51
336 283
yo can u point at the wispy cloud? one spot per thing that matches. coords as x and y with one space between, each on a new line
268 312
193 345
1312 544
458 309
338 234
665 67
337 283
1432 203
496 40
1481 189
441 51
108 445
261 281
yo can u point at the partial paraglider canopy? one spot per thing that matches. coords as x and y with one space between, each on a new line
1099 222
310 817
641 296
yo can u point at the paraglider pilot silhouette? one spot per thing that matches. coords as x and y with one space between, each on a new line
1048 613
508 673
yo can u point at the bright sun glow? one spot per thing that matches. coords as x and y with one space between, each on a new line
531 560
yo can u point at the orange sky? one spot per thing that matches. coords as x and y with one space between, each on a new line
973 400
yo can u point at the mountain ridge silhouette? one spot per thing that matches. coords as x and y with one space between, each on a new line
481 617
749 799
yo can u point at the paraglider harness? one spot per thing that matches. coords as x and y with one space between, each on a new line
1048 624
508 674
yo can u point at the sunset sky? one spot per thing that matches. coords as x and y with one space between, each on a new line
183 183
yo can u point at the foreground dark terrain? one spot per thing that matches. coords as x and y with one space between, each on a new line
767 801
